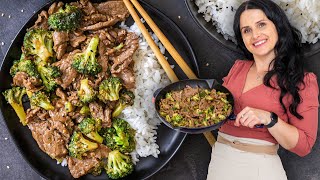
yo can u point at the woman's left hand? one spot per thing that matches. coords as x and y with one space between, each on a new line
250 117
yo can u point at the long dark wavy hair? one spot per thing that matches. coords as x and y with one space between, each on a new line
288 62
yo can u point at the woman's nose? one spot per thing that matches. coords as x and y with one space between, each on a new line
256 34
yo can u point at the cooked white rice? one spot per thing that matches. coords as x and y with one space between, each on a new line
142 116
303 15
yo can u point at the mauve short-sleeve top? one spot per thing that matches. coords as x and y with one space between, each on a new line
263 97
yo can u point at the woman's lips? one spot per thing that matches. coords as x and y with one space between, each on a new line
259 43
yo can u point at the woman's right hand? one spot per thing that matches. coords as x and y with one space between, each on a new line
250 117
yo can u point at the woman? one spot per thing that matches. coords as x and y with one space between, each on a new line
271 89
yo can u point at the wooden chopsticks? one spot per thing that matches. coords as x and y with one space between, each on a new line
166 43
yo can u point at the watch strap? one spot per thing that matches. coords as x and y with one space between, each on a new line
274 120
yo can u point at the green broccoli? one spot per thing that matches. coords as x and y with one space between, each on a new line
68 106
126 99
119 47
96 171
67 19
24 65
86 93
40 99
176 119
14 97
109 89
86 62
48 74
79 145
119 136
196 97
169 96
90 128
85 110
119 165
39 42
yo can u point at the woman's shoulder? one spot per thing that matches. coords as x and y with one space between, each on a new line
240 64
310 77
310 86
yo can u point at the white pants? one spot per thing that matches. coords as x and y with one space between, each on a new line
228 163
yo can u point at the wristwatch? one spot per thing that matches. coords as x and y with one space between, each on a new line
274 120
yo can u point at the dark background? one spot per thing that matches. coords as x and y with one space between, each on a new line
215 60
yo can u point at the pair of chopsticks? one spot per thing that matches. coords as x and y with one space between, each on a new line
166 43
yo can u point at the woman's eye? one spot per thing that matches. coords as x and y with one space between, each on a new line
262 24
246 31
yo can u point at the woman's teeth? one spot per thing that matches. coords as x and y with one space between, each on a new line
259 43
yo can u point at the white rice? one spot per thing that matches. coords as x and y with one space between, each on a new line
142 116
302 14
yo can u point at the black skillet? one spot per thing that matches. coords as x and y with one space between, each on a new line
202 83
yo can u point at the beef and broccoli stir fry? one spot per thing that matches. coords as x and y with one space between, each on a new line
195 107
77 72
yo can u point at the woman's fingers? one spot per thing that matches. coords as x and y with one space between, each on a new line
240 116
247 117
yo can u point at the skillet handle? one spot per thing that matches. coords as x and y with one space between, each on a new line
233 117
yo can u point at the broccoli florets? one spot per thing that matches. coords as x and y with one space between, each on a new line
169 96
119 165
86 62
14 98
126 99
85 110
48 74
90 128
68 107
40 99
38 42
24 65
86 93
109 89
119 136
67 19
79 145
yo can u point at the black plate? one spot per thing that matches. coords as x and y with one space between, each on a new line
309 49
168 140
194 83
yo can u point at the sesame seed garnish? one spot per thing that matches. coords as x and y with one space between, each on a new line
2 43
8 167
5 138
2 14
9 16
179 17
21 10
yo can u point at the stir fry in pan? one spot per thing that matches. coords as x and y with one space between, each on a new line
195 107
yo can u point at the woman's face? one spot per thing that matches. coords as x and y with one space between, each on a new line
259 34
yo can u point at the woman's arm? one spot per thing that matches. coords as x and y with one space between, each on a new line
298 135
286 135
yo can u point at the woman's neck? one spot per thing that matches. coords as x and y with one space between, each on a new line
262 64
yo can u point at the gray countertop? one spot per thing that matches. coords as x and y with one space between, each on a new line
192 159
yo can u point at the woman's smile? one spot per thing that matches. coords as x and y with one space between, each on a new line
259 43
